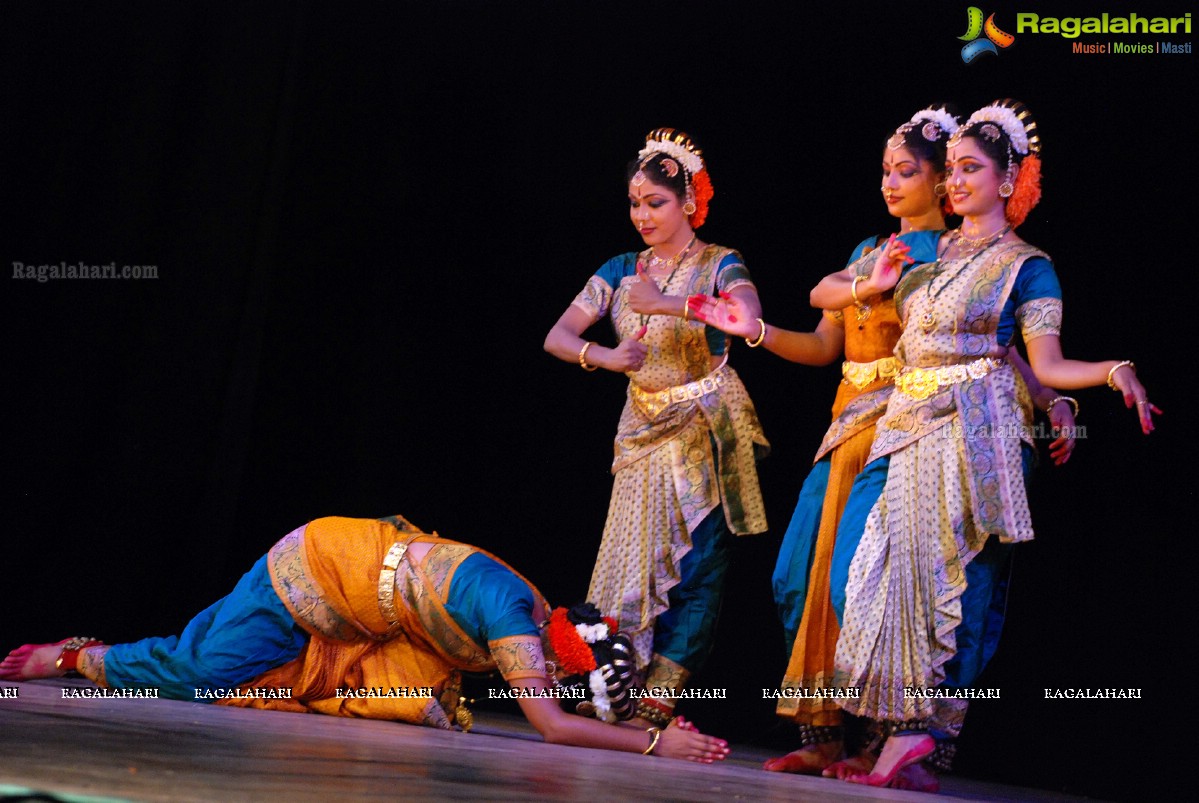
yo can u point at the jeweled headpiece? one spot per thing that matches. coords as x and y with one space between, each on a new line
1019 126
1021 189
676 144
675 149
935 122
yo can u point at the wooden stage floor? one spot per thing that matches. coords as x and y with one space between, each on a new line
83 749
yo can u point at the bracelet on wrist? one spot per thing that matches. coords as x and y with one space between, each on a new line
583 357
1073 403
853 290
753 344
1111 375
655 734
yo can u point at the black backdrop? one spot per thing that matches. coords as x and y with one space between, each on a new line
366 217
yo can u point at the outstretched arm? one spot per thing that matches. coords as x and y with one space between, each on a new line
730 314
1045 356
558 727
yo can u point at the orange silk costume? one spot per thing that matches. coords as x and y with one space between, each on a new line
870 337
378 621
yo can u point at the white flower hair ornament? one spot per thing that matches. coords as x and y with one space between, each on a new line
662 140
943 119
1006 119
931 121
594 658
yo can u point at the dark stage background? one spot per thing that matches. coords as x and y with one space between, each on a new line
365 218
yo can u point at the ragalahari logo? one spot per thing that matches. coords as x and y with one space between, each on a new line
975 27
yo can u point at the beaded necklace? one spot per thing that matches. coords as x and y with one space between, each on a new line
928 319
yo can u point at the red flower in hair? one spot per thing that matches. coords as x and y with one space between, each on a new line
573 653
701 185
1027 191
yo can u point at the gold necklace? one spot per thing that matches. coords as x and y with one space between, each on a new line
673 262
928 319
968 245
677 262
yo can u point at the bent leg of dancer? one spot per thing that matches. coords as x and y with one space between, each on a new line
683 633
230 642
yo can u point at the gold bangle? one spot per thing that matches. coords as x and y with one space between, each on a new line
1073 403
686 306
583 357
654 735
753 344
853 290
1112 373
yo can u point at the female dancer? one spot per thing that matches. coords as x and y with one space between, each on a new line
913 187
374 618
953 498
685 446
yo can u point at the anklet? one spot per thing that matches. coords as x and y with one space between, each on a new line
68 659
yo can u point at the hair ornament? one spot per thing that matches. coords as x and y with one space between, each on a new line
991 132
669 166
944 120
674 144
1027 191
1012 125
639 178
592 653
934 122
701 186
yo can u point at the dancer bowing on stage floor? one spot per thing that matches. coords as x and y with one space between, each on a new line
344 606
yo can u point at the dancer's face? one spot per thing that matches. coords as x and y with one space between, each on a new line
908 184
658 214
972 179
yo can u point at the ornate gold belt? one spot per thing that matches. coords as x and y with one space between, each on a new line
654 402
387 583
861 374
920 383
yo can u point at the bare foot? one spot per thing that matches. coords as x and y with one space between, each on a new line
917 778
898 752
860 764
809 760
32 661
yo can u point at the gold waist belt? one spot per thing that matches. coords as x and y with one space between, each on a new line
861 374
653 402
387 583
920 383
